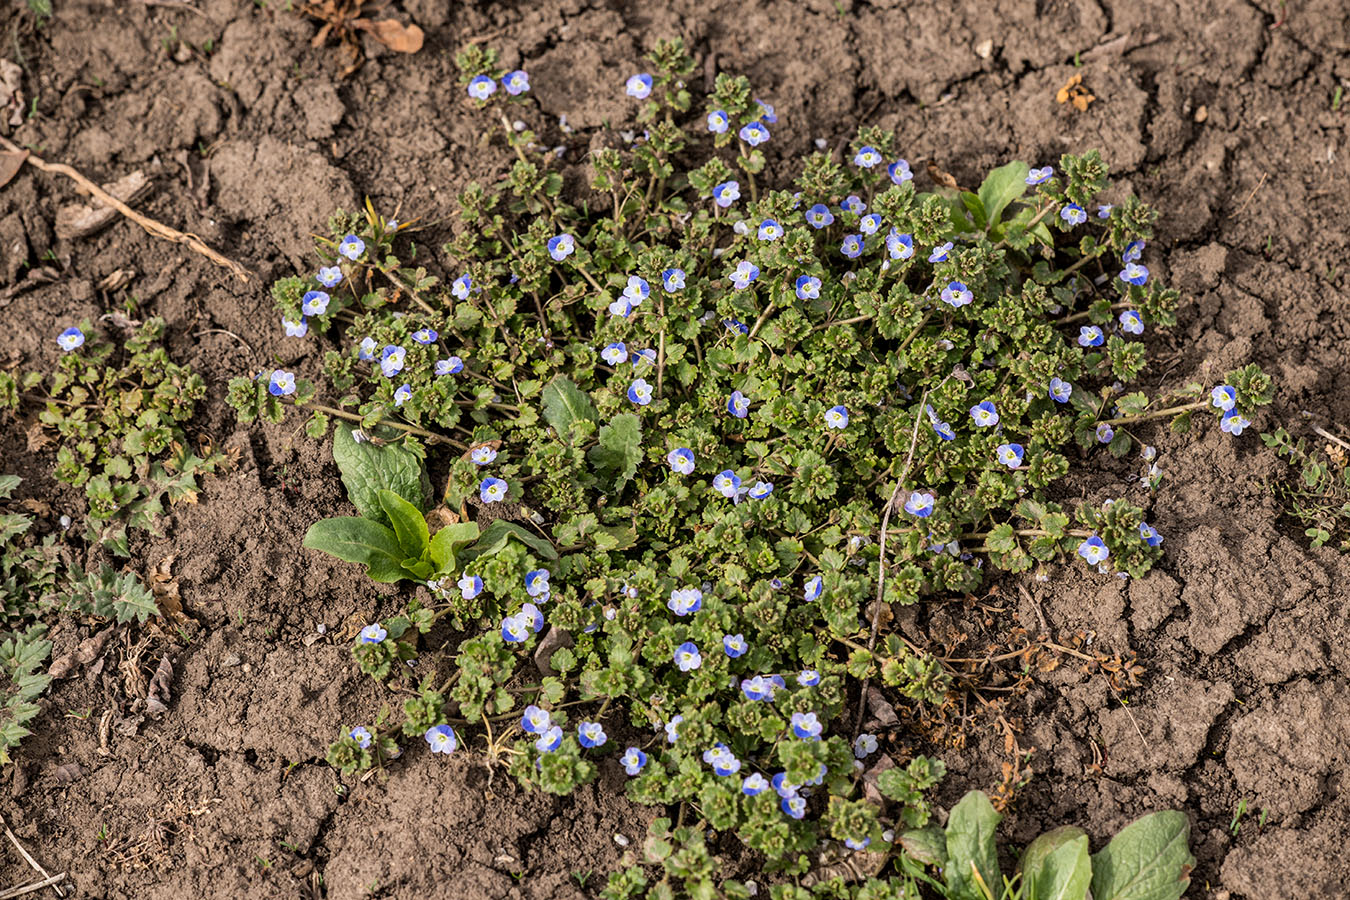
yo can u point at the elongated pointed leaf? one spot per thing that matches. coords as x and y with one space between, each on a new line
1057 866
446 543
970 848
496 535
1150 859
1001 187
410 528
357 540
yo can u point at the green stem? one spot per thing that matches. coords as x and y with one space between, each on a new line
1160 414
353 417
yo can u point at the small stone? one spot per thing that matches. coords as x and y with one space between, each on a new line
985 48
621 840
230 660
1201 113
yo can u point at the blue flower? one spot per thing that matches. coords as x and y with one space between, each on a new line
685 601
1010 455
647 356
726 193
516 629
899 246
639 86
754 134
636 290
536 582
366 349
734 645
461 285
672 729
425 335
939 254
836 417
864 745
769 230
441 738
745 273
867 157
1223 397
956 294
806 726
870 223
470 586
1040 176
482 455
403 394
736 326
314 303
1130 322
984 414
1149 535
819 216
561 246
549 740
687 657
920 503
281 384
295 329
535 617
761 490
944 431
673 280
1133 252
681 460
361 735
450 366
808 678
372 634
899 172
516 83
391 360
492 490
1233 422
718 121
1134 274
766 111
482 87
1105 433
754 785
723 761
1094 550
738 405
591 734
853 844
808 287
633 760
352 247
1090 336
853 204
1073 214
1104 210
640 392
727 484
782 787
615 353
1060 390
761 687
852 247
329 276
814 587
536 720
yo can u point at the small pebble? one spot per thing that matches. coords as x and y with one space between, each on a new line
230 660
621 840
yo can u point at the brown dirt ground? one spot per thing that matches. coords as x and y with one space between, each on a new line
1219 112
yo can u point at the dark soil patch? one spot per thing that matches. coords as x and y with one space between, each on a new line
1217 111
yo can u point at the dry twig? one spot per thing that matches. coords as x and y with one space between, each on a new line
37 866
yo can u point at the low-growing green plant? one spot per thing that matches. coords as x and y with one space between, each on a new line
742 427
1319 497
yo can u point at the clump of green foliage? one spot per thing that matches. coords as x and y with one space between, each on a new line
652 593
1319 497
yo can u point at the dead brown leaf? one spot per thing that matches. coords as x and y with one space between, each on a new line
393 34
10 164
37 438
165 588
941 177
67 773
79 219
160 693
89 649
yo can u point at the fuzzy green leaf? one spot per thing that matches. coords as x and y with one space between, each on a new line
447 542
1001 187
617 455
410 527
357 540
971 848
1056 866
368 468
565 404
496 536
1149 859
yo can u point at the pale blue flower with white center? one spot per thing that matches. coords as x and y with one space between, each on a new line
361 735
1130 322
549 740
403 394
854 844
766 111
639 86
864 745
808 287
899 246
391 360
687 657
736 326
636 290
352 247
1134 273
1073 214
920 504
769 230
536 582
470 586
1090 336
673 280
754 785
866 157
761 687
516 629
492 490
314 303
329 276
615 354
1233 422
481 87
899 171
1040 176
681 460
870 223
533 615
940 253
734 645
450 366
754 133
644 357
1094 550
808 678
806 726
441 739
1149 535
1104 210
1223 397
819 216
1060 390
761 490
1010 455
744 274
723 761
633 760
1105 433
738 405
813 589
640 392
461 286
366 349
944 431
673 729
295 329
561 246
726 193
957 295
516 83
482 455
536 720
685 601
425 335
372 634
985 414
853 204
1133 252
621 308
718 122
852 247
281 384
784 788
